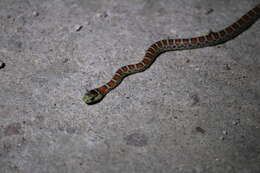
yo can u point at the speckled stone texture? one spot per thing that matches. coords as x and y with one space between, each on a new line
195 111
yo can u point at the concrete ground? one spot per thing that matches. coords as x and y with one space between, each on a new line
195 111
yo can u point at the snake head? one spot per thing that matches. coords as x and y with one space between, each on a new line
92 97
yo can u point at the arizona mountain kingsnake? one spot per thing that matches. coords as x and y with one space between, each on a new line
212 39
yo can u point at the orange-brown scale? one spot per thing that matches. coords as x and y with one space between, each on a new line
202 39
165 43
159 44
103 89
229 30
146 61
111 83
177 41
131 67
139 65
116 77
150 56
185 41
235 26
154 46
170 41
124 69
151 50
216 35
222 33
209 37
241 21
194 40
119 71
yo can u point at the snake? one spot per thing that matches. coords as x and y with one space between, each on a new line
211 39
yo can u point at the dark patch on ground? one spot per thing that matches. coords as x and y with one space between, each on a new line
13 129
136 139
210 11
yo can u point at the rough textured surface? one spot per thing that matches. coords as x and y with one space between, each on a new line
192 111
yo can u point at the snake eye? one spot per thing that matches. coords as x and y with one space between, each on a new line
93 93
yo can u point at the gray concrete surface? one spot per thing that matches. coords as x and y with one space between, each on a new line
193 111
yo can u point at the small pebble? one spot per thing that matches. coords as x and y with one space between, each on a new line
35 13
2 64
209 11
104 15
77 27
222 138
224 132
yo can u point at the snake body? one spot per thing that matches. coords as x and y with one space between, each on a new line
159 47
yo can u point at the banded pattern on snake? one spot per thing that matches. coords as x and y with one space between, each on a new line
212 39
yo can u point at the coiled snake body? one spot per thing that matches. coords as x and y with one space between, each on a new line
212 39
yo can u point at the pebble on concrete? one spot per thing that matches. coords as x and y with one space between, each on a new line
35 13
224 132
2 64
77 27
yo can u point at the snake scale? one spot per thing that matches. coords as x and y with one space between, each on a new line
159 47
